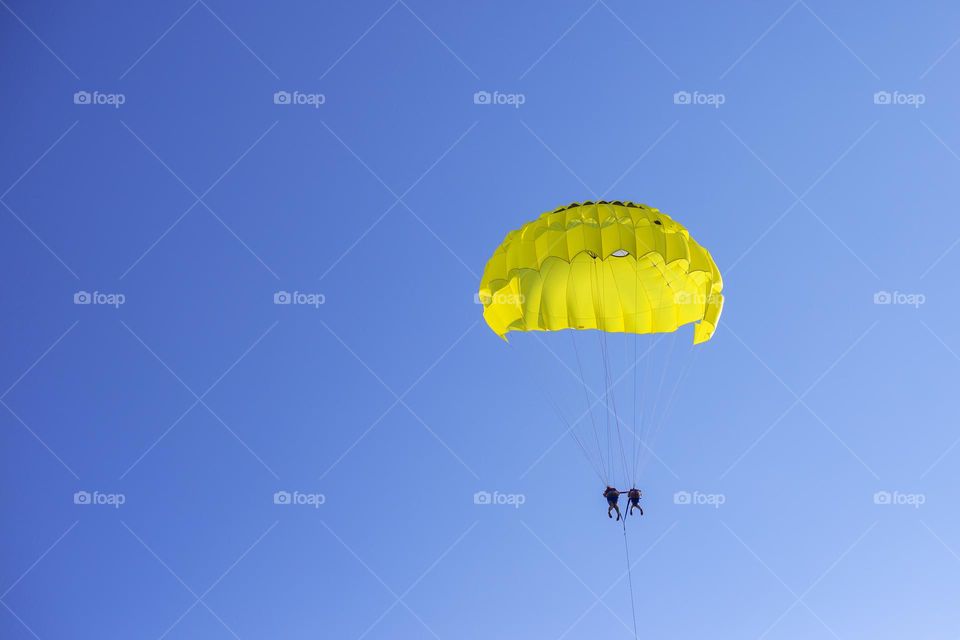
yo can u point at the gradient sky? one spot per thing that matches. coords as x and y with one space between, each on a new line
197 399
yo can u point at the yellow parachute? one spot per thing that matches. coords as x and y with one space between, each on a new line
614 266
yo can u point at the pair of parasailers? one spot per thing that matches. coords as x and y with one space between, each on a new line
613 497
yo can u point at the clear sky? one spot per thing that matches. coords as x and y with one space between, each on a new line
148 159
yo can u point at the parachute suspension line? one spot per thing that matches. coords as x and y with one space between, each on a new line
607 378
638 428
562 418
642 434
664 367
649 357
586 396
606 405
598 313
572 432
636 390
613 402
688 365
570 428
636 326
663 375
633 605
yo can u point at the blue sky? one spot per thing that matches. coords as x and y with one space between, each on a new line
146 434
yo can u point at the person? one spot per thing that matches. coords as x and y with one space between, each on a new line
633 499
612 496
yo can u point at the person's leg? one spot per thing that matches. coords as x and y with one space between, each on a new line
609 509
641 509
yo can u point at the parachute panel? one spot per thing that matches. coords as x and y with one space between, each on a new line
612 266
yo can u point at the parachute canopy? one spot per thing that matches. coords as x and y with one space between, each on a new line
613 266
